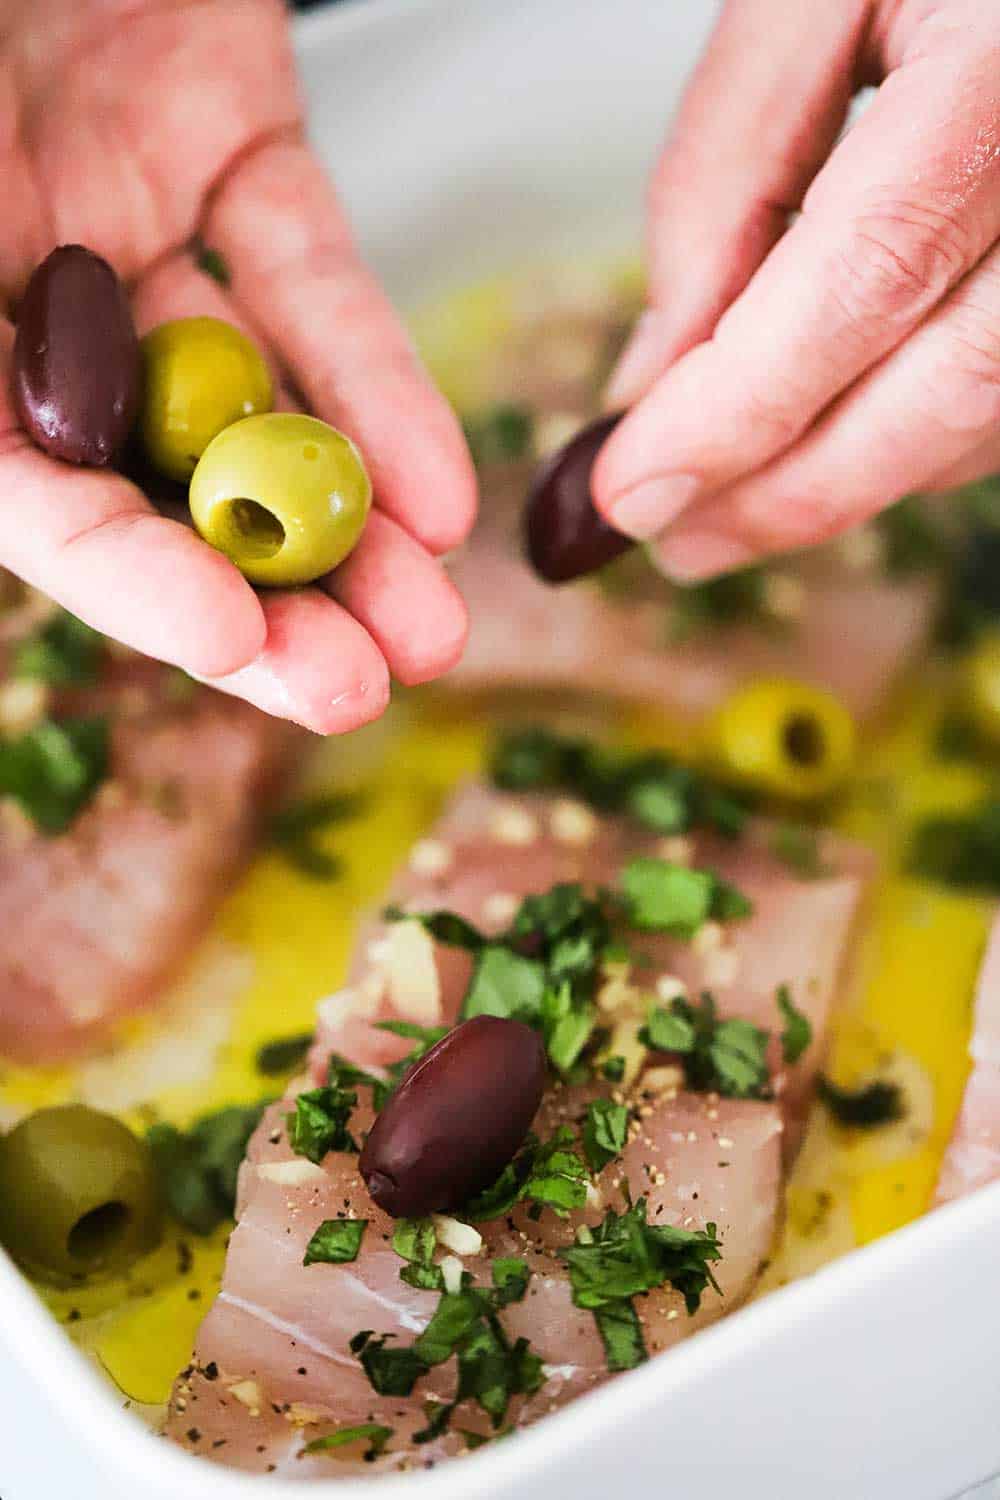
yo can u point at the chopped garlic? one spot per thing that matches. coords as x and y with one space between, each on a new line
430 857
862 549
595 1198
669 987
456 1236
452 1272
625 1043
500 908
572 823
303 1416
677 849
722 968
707 939
784 596
555 429
411 974
24 702
248 1394
663 1080
514 825
291 1173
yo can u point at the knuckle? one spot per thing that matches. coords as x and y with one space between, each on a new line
896 264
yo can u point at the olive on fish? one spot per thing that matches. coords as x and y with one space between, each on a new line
564 534
76 366
457 1119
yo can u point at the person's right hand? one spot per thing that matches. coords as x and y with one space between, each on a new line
132 126
789 382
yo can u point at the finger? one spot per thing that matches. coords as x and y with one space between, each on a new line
912 423
319 667
91 540
294 267
883 235
426 637
754 126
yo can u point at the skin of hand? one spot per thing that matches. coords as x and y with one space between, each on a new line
133 126
792 377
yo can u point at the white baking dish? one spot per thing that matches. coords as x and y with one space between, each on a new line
467 135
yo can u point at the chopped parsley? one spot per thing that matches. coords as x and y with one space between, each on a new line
865 1108
960 849
415 1241
647 785
604 1132
798 1029
283 1055
500 433
64 653
613 1068
336 1242
731 599
465 1324
213 264
53 770
798 846
624 1256
719 1056
663 897
552 1175
294 832
319 1123
373 1432
198 1167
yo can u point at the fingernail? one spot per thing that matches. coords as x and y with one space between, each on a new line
639 362
694 555
650 506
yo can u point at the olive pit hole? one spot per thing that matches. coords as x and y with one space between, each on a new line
803 739
255 531
97 1232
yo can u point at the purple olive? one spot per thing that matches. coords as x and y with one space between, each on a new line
76 358
457 1119
564 534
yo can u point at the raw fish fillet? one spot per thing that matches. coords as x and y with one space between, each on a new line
273 1370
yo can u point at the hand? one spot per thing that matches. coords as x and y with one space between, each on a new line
131 126
791 381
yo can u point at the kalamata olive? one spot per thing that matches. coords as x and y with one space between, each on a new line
76 358
457 1118
564 534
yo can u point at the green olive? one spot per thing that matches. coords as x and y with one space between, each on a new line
284 496
784 738
980 686
79 1194
199 376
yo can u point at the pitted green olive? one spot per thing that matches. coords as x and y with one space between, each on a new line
199 376
78 1194
284 496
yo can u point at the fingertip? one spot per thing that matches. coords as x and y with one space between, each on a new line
362 703
442 647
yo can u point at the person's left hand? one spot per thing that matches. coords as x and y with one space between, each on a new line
132 126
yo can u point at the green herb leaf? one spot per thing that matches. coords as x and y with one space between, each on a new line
863 1108
499 434
54 770
213 264
64 653
621 1334
798 1028
664 796
415 1240
798 846
510 1280
283 1055
198 1168
294 830
613 1068
729 904
505 984
624 1256
726 1057
376 1435
336 1241
392 1369
664 897
550 1176
320 1121
961 849
604 1132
